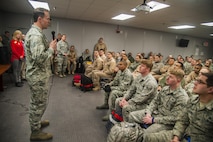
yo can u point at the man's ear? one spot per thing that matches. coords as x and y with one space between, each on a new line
39 18
179 79
210 90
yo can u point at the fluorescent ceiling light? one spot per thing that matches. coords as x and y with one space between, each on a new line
154 6
38 4
207 24
181 27
211 34
157 5
123 17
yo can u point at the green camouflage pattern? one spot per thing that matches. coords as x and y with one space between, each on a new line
38 55
125 132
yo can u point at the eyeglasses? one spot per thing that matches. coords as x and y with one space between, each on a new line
199 81
49 19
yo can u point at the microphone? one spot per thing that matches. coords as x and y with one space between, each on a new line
53 34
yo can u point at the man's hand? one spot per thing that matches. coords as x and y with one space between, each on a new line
21 58
123 102
53 44
175 139
147 119
116 69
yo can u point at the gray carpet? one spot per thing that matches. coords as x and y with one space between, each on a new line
72 113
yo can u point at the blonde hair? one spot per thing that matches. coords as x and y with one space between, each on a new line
179 73
148 63
15 34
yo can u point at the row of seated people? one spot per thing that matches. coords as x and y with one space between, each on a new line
157 112
106 67
158 70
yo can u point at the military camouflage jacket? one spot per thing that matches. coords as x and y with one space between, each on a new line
196 121
109 66
122 80
141 90
98 64
156 67
168 104
62 48
133 66
38 54
72 55
100 46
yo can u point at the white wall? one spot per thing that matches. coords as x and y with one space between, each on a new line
85 34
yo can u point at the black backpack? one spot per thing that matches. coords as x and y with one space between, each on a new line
86 83
80 66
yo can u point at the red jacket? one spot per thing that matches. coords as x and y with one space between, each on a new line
17 49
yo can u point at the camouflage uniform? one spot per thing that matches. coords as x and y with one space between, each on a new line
139 95
156 67
128 62
196 121
165 108
100 46
187 67
211 67
163 71
191 76
189 88
97 65
103 57
162 136
136 72
38 56
62 48
119 86
133 66
71 59
107 72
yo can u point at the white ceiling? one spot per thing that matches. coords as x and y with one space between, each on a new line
192 12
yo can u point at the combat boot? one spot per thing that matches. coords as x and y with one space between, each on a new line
40 136
96 88
77 84
60 75
105 118
45 123
104 106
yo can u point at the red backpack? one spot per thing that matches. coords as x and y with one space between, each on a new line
76 79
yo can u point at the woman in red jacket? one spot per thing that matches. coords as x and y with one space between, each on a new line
17 56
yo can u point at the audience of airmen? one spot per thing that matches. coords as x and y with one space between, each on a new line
147 91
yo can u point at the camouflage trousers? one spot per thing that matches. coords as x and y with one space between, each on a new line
162 136
137 116
127 109
88 71
69 64
62 64
38 102
114 94
96 75
167 136
125 132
